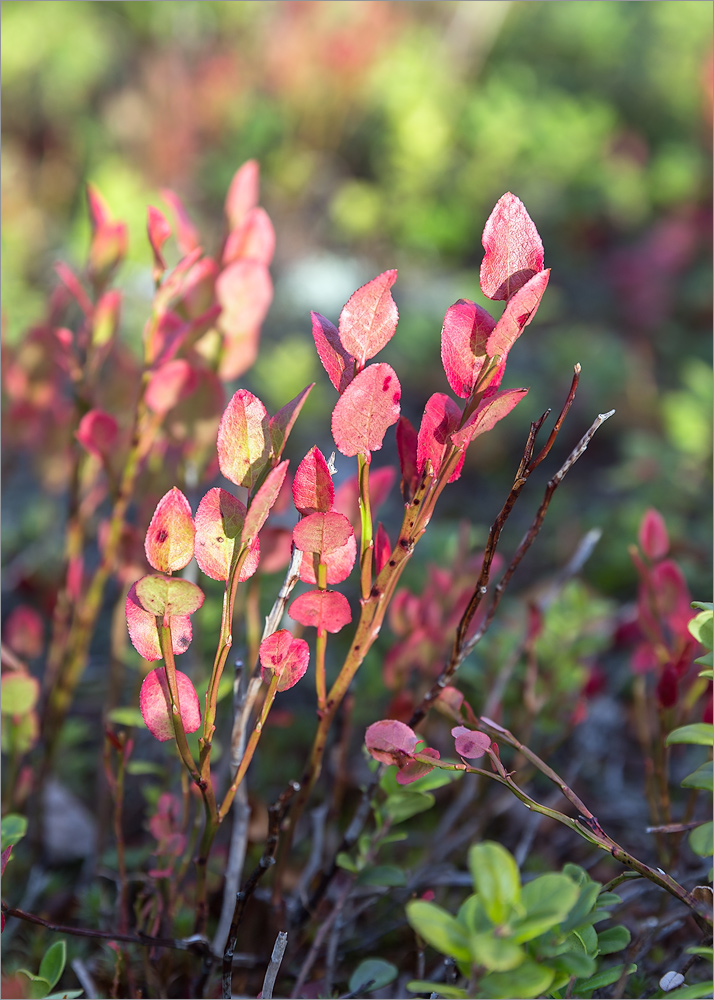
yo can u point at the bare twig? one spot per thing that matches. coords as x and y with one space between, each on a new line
271 973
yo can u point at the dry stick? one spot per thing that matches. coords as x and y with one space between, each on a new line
271 973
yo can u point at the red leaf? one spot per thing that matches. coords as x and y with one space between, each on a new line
239 354
517 315
253 239
243 439
322 533
275 548
159 230
170 535
440 420
244 290
382 548
469 742
337 362
243 192
97 433
24 631
99 214
284 420
144 634
514 252
494 407
390 741
368 406
325 610
415 769
219 523
653 537
339 563
169 384
449 702
312 486
369 320
263 501
155 704
464 336
407 450
186 233
282 654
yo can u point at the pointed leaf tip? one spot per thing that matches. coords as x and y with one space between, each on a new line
312 486
336 359
514 251
243 439
464 337
369 319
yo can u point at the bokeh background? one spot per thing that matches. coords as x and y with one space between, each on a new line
385 133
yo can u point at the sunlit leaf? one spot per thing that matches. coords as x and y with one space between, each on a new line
464 336
368 406
262 502
244 290
336 360
219 523
441 418
322 533
494 407
168 595
514 251
339 563
243 192
282 654
282 423
169 384
169 540
369 319
155 704
325 610
144 633
518 313
243 439
312 486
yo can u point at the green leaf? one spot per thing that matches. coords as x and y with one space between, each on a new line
473 915
601 979
53 962
126 716
705 660
437 779
701 952
702 628
583 905
496 879
701 733
168 595
38 986
611 898
691 992
529 980
498 954
588 938
701 778
19 693
402 806
382 875
14 828
144 767
613 939
575 963
440 989
372 974
439 929
703 605
343 860
700 840
548 900
65 995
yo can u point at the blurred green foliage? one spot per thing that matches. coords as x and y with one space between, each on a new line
385 133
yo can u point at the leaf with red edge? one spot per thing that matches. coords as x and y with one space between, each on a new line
282 654
243 192
169 384
464 336
243 439
253 239
671 596
407 439
144 634
262 502
494 407
312 486
322 533
470 743
338 562
368 406
652 536
415 769
159 230
170 535
99 214
382 548
514 251
97 433
390 741
186 233
325 610
219 522
105 320
517 315
244 290
369 319
440 420
336 360
155 704
284 420
168 595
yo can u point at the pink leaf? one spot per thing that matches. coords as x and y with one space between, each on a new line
653 537
170 535
239 354
369 320
169 384
382 548
244 290
253 239
284 420
336 360
97 433
275 548
470 743
219 522
415 769
263 501
243 439
464 336
312 486
494 407
449 702
159 230
339 563
284 655
517 315
24 631
440 420
4 858
322 533
325 610
407 449
99 214
243 192
155 704
186 233
514 252
144 634
390 741
368 406
105 320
